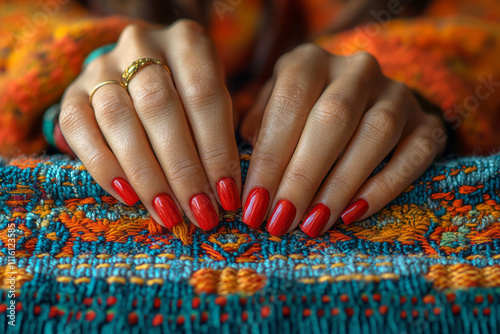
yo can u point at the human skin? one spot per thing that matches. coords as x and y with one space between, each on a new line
170 138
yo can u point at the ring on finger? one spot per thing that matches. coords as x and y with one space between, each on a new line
139 64
116 82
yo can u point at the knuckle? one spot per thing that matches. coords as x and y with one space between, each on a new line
94 160
384 185
301 178
384 125
215 157
131 32
70 117
201 92
153 96
369 61
336 112
140 173
109 108
310 49
425 147
182 170
288 100
188 26
340 181
267 162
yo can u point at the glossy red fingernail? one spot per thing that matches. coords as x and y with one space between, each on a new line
125 191
255 207
204 211
167 210
354 211
228 194
282 218
316 220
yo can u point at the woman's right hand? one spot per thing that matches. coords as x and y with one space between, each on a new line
168 140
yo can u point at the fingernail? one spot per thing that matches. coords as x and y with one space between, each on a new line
354 211
316 220
167 210
204 211
255 207
282 218
228 194
125 191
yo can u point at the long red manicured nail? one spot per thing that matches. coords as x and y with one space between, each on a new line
316 220
255 207
167 210
228 194
204 211
125 191
282 217
354 211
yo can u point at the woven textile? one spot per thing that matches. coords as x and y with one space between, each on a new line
428 262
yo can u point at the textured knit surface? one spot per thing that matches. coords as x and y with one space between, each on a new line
428 262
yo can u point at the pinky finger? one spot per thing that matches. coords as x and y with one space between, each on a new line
413 155
83 137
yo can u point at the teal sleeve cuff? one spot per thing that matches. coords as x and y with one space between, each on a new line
49 121
97 53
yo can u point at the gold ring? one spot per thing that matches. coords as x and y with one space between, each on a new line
103 84
137 65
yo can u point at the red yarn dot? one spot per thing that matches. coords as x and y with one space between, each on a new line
428 299
414 313
403 314
111 300
487 311
349 311
437 311
244 316
204 317
19 306
306 312
479 299
325 299
265 311
109 317
90 316
383 309
364 298
320 313
78 315
402 300
368 312
36 310
335 311
414 300
180 320
134 302
490 298
157 320
87 301
221 301
455 309
157 302
282 298
450 297
133 318
224 317
377 297
196 302
53 312
3 308
344 298
286 311
179 303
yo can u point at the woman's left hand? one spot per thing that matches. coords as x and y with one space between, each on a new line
320 111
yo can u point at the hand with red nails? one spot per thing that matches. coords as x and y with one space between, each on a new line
325 123
168 138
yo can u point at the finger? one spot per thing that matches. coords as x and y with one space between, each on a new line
82 134
199 80
300 78
125 136
412 157
161 113
331 124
